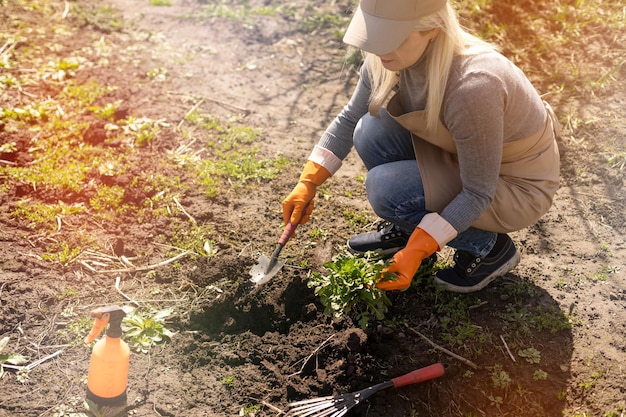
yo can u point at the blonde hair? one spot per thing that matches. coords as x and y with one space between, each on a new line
452 40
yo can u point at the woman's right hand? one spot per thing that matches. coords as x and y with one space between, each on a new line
298 205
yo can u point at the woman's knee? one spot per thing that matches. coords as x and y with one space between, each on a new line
395 192
378 183
379 140
365 133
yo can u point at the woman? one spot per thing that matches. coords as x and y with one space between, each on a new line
462 153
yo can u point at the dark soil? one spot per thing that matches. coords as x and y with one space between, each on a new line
275 343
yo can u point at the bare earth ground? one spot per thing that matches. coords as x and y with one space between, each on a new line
276 342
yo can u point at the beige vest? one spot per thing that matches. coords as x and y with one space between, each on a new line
529 175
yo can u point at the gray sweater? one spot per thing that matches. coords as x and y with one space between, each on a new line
488 101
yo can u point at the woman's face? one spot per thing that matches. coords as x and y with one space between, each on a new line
409 52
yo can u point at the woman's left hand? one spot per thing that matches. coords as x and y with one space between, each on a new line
407 261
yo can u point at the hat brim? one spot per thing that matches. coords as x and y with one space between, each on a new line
377 35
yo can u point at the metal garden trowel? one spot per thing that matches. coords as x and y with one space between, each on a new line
266 268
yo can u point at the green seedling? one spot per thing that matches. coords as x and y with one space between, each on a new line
356 219
250 409
75 331
72 407
589 384
229 381
107 112
23 376
496 401
604 250
500 377
10 358
9 147
143 129
64 255
531 355
319 234
143 331
157 74
349 286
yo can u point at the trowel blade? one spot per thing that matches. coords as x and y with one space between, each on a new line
258 274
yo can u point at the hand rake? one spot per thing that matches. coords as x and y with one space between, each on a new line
339 405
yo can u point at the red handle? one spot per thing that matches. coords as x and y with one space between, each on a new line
419 375
287 233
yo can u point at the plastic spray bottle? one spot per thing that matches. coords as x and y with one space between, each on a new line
110 357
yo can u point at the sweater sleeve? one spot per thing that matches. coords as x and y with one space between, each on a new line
338 135
488 102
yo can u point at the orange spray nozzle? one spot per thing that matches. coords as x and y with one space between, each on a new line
111 315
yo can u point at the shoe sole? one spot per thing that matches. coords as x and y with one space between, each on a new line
503 270
384 252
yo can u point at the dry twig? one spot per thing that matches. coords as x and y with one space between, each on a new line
33 364
131 269
272 407
66 11
507 348
117 287
308 358
180 206
444 350
195 106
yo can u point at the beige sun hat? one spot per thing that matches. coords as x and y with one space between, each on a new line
380 26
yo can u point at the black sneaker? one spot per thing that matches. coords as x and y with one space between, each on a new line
385 241
471 273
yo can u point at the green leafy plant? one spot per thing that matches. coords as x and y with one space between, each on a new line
590 383
143 331
350 286
531 355
250 409
229 381
12 358
500 377
64 254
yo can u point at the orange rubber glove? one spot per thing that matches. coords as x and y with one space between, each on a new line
407 261
298 205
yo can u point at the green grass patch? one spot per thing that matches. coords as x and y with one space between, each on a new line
39 215
307 19
231 156
570 48
102 18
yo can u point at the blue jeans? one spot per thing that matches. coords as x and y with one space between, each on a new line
394 184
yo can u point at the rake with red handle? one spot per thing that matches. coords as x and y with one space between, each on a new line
339 405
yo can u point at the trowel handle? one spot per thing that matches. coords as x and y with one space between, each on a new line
287 233
290 229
